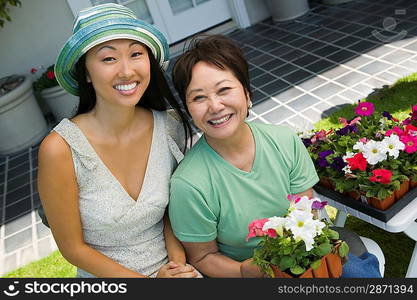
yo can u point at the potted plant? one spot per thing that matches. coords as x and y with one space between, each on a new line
21 121
4 10
298 244
61 103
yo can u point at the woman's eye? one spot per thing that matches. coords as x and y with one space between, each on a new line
223 90
197 98
136 54
108 59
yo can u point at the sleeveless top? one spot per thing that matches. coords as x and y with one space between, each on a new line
129 232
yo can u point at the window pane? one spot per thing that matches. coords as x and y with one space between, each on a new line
139 7
198 2
178 6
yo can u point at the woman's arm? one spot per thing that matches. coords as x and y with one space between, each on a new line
209 261
175 250
58 191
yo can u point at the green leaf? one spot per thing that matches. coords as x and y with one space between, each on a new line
297 270
333 235
315 264
323 249
343 249
286 262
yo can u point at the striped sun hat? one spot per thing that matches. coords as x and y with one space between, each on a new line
99 24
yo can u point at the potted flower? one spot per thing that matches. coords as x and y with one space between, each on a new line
298 244
61 103
21 121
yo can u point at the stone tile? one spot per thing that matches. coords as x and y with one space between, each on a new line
375 67
389 77
288 95
358 61
45 247
342 56
274 87
303 102
363 89
412 46
311 83
18 160
262 80
284 70
264 106
255 72
18 224
258 96
376 83
42 231
400 71
305 60
312 115
409 64
18 240
351 78
320 66
352 96
313 46
18 182
279 114
272 64
322 106
18 209
397 56
300 124
379 51
327 90
27 255
19 170
17 194
298 76
261 59
326 51
10 263
363 46
335 72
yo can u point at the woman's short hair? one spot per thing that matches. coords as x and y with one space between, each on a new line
217 50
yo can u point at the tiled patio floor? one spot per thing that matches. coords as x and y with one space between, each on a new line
301 71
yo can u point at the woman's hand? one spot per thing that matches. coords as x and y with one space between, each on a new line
249 270
176 270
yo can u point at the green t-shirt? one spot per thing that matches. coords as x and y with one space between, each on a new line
212 199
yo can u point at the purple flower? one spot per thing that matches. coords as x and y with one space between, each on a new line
323 154
318 205
338 164
406 121
387 115
343 131
322 162
353 128
306 142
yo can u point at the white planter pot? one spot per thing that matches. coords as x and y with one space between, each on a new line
284 10
61 103
22 123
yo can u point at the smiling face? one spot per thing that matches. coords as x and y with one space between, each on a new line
216 101
119 71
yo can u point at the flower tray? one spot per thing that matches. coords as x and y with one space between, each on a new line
382 215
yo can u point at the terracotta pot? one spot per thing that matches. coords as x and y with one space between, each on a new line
326 182
413 184
404 187
382 204
330 267
354 195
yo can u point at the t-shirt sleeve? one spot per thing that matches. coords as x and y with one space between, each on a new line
192 220
303 174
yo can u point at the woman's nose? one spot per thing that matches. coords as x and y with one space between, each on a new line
126 69
216 104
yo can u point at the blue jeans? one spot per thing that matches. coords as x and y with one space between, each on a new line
364 266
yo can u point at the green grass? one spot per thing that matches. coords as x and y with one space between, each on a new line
52 266
397 247
398 100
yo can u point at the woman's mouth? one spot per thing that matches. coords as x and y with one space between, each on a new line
126 89
220 121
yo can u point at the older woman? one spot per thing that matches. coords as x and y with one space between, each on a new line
104 174
238 171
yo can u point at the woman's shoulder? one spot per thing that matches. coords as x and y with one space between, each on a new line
280 132
54 147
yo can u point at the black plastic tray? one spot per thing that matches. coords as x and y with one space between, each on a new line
382 215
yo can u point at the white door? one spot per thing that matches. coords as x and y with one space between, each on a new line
178 19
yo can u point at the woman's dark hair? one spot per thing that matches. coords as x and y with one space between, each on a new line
216 50
157 96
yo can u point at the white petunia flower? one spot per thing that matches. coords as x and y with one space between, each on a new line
348 155
276 223
303 226
347 169
306 134
393 145
359 146
374 152
304 203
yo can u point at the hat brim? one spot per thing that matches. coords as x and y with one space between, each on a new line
100 32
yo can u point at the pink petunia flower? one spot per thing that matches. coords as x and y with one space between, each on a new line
410 143
33 70
255 229
381 175
396 130
365 109
50 75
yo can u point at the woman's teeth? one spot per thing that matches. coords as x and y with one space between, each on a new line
126 87
220 121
